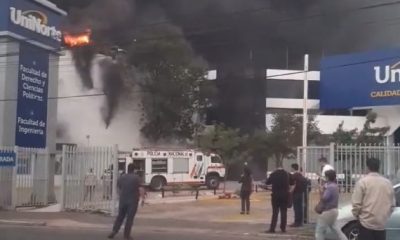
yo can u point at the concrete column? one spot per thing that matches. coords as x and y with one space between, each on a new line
9 61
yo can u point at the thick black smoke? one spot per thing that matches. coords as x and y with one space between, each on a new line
83 57
243 38
108 22
113 85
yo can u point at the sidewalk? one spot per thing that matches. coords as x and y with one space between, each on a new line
205 215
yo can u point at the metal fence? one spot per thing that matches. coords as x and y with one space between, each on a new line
349 162
88 178
25 183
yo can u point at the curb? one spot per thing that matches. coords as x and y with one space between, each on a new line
23 223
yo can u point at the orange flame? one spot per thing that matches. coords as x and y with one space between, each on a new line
78 40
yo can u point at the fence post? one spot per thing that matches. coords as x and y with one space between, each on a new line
14 181
332 154
63 176
114 181
47 174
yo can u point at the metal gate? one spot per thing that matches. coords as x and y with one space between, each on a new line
25 183
89 178
349 162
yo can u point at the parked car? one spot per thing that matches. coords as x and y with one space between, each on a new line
350 225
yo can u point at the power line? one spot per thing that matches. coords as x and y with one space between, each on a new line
278 21
307 17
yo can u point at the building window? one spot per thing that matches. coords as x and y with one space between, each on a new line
159 165
284 89
283 111
313 90
291 89
181 165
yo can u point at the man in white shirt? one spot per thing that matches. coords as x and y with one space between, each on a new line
373 202
325 166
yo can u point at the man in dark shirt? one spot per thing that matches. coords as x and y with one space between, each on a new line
300 185
281 182
130 192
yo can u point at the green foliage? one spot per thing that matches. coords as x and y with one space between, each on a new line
368 135
172 80
226 142
286 134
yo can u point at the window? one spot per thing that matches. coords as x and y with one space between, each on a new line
291 89
159 165
397 196
216 159
313 90
284 89
181 165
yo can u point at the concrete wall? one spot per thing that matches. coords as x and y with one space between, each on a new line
9 52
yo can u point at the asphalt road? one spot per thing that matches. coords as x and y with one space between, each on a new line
45 233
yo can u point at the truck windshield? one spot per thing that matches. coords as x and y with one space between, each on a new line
216 159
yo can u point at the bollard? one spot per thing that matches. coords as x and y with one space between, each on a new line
256 188
215 191
162 193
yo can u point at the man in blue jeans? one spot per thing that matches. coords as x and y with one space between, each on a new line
130 192
300 187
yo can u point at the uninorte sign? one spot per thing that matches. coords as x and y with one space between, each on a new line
360 80
32 20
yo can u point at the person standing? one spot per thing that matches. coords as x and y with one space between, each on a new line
325 166
130 192
246 190
300 187
90 185
328 208
281 182
373 202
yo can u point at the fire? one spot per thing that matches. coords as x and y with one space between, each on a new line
77 40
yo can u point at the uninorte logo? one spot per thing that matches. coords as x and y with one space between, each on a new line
35 21
390 74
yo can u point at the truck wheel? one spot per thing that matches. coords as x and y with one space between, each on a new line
157 183
212 182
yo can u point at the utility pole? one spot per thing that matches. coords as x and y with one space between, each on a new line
305 111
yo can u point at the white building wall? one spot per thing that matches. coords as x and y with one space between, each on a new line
387 116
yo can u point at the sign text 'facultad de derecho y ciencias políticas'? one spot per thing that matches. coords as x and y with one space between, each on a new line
33 88
32 98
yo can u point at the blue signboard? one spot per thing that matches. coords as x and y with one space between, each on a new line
7 159
31 20
32 97
360 80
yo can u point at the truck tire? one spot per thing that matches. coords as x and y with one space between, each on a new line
212 182
157 183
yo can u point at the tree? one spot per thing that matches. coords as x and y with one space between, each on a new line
172 79
226 142
368 135
286 133
343 136
372 135
258 148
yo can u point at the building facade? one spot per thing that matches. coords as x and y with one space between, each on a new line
30 39
284 93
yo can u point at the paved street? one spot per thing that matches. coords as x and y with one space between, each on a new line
45 233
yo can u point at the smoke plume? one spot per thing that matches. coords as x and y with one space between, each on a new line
112 86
